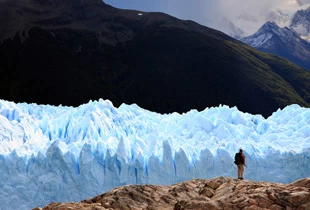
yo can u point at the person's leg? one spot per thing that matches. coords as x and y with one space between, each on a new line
241 170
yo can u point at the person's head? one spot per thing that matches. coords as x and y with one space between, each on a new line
240 150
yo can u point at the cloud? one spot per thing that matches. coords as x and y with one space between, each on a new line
210 10
303 2
258 9
249 15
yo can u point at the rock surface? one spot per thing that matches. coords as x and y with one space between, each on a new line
219 193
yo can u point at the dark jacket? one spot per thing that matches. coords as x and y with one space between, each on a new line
242 158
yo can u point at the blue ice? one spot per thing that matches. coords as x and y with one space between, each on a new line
55 154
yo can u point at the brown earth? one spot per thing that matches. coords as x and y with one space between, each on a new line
220 193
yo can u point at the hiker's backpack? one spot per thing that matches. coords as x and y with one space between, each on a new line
237 158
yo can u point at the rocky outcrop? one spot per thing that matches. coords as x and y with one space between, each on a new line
220 193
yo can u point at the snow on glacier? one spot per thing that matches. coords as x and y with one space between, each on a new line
50 153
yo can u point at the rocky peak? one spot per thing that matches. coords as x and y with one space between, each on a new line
216 194
301 22
301 16
286 42
267 31
269 26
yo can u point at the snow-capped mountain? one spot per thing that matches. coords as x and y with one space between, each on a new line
57 154
301 23
261 39
284 42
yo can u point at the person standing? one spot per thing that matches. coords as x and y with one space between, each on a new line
240 162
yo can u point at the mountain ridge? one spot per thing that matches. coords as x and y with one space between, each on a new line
290 42
283 42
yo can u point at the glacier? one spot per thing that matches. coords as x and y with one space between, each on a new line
62 154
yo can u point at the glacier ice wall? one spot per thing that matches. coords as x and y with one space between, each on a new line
50 154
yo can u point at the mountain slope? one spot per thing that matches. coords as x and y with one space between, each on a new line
218 193
68 52
284 42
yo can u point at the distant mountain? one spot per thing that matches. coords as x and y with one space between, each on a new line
284 42
301 23
70 51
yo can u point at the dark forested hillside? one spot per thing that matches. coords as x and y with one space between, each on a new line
69 52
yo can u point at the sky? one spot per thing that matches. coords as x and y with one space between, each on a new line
199 11
210 12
